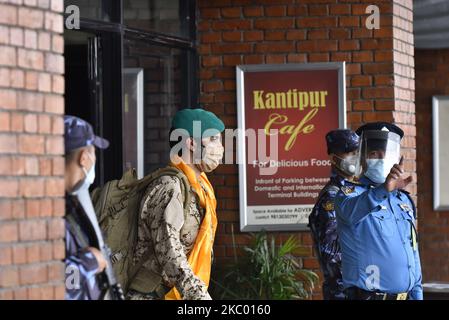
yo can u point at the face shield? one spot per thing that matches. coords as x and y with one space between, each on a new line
379 150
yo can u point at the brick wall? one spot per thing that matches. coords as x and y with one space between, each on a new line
431 79
380 78
31 148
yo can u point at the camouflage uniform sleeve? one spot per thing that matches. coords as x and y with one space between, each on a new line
165 218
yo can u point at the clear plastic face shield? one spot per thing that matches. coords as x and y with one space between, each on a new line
379 150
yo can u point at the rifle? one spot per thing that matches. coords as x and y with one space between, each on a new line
113 290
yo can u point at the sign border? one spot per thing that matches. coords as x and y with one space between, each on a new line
438 205
138 73
241 150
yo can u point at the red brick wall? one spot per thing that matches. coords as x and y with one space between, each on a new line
380 85
432 67
31 149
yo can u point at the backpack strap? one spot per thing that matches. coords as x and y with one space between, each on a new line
171 171
186 190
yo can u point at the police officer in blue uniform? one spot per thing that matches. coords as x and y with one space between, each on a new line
342 147
376 222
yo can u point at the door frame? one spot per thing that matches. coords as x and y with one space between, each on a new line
108 122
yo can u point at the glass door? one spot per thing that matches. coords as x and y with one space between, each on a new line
154 86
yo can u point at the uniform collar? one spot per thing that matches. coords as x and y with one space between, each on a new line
368 182
341 180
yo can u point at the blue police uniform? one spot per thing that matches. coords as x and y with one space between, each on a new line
378 240
82 280
323 222
81 265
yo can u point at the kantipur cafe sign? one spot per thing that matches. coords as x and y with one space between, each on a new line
294 106
292 99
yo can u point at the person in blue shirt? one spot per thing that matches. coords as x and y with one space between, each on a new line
342 147
376 222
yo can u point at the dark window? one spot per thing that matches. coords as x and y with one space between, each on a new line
104 10
163 16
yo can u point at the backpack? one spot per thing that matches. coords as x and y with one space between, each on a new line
117 205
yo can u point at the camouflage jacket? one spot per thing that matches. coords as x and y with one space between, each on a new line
167 236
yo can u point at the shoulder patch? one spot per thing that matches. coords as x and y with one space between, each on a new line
328 206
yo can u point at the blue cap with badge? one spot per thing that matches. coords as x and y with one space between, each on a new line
342 141
79 133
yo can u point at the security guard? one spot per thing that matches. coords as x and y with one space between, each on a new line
84 261
342 147
376 222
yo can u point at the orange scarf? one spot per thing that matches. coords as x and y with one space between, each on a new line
200 258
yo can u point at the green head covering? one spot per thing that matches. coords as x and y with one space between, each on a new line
199 123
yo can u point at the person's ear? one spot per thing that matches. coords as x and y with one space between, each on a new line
85 158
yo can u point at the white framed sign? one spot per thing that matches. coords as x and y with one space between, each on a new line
300 103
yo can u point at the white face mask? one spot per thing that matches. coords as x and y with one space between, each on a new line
87 181
378 169
212 156
348 164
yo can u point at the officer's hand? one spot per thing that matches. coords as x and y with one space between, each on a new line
102 263
394 179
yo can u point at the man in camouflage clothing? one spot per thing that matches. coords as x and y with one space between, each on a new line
167 232
342 147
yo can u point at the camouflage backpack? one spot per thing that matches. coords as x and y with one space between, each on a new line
117 206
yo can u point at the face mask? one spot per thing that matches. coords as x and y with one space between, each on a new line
212 156
87 181
348 164
378 169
